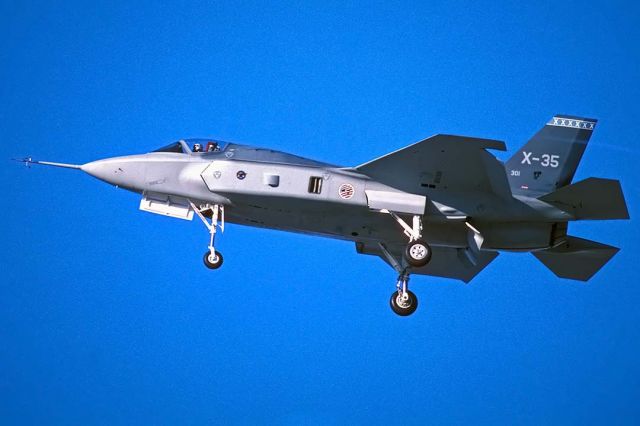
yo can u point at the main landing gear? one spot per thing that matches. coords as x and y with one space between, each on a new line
416 254
212 258
403 302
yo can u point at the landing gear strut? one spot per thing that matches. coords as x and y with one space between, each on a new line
403 302
417 252
212 258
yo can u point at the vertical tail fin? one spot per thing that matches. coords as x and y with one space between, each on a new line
550 158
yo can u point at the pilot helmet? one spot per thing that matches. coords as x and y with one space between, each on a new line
197 147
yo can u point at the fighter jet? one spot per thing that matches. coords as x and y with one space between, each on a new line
443 206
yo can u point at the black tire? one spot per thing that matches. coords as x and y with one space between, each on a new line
418 253
213 265
403 311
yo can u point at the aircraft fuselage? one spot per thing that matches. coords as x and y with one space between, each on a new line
292 194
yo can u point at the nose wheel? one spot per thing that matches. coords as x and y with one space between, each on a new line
212 258
213 261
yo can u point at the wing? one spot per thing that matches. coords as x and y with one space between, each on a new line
454 163
446 262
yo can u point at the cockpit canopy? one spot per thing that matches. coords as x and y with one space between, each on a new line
174 147
211 149
189 146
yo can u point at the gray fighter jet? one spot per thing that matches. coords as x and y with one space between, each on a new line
443 206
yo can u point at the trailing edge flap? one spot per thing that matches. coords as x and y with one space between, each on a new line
455 163
447 262
592 198
576 258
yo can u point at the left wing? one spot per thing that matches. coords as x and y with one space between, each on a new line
453 163
447 262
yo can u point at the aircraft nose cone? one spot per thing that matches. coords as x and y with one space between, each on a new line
102 169
125 172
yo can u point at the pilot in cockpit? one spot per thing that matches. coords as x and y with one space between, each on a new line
197 147
212 146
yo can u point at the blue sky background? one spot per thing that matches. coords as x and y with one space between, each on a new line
107 314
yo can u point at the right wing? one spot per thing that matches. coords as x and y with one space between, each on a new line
447 262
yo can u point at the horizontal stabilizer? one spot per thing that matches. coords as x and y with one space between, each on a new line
576 258
592 198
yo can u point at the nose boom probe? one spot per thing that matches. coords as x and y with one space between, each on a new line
28 161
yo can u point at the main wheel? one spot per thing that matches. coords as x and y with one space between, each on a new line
403 307
418 253
212 262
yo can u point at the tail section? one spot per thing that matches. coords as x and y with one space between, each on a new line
550 159
576 258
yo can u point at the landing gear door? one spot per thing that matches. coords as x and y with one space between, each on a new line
398 202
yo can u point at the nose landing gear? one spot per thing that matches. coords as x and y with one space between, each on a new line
212 258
